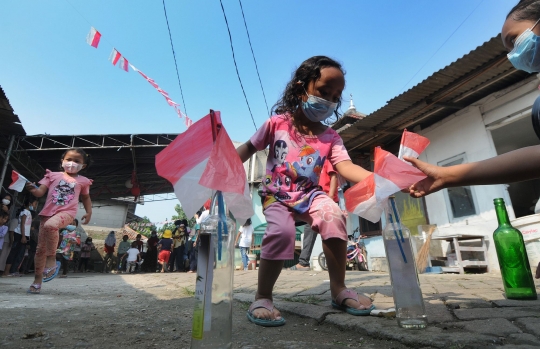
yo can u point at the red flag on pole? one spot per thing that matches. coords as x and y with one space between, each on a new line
196 166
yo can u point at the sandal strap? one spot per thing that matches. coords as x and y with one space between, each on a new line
346 294
262 303
36 286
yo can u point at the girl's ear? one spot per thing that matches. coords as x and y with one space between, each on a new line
83 166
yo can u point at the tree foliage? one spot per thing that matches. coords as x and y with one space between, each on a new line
180 214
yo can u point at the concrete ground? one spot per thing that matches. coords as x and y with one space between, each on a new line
154 310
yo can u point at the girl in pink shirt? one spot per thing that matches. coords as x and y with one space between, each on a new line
64 189
299 145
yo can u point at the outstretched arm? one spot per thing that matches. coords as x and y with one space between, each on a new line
351 172
37 192
518 165
245 151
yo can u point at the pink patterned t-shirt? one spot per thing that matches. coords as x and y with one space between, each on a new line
63 193
295 161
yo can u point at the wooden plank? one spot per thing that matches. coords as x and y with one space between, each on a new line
471 248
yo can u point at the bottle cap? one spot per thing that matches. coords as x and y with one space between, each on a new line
498 201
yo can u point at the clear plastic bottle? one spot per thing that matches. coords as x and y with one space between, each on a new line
408 300
212 324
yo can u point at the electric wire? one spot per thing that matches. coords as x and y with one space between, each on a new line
174 56
235 65
445 41
253 54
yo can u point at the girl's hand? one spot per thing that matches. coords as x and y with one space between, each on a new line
23 240
434 181
86 218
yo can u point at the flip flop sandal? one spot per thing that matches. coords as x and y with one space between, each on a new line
268 305
294 267
350 294
46 271
34 289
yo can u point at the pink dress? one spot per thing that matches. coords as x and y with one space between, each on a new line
295 161
63 193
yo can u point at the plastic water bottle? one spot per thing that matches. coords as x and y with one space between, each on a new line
212 324
408 300
515 269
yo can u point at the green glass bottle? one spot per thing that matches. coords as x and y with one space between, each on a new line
515 269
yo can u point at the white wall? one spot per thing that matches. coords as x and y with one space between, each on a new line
105 214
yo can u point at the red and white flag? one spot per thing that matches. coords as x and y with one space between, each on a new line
115 56
367 199
93 37
196 166
18 181
123 64
412 145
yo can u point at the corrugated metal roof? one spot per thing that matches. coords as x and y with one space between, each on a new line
9 121
465 81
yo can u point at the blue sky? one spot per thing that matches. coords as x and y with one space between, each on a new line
58 84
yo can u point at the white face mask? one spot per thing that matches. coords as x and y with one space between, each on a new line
5 201
71 167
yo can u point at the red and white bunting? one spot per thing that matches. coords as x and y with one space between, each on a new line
124 64
165 95
93 37
115 56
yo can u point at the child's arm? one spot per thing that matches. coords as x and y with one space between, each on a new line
37 192
23 233
351 172
333 185
518 165
237 237
87 203
245 151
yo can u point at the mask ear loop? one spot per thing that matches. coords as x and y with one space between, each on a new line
535 24
300 82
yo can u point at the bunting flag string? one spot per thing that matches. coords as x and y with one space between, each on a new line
117 59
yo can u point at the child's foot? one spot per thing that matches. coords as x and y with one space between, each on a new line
263 313
34 289
353 303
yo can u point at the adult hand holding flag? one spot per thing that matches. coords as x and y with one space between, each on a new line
196 166
368 198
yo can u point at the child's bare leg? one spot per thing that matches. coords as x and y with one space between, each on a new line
335 251
269 271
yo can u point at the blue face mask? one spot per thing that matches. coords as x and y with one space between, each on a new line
71 227
318 109
526 53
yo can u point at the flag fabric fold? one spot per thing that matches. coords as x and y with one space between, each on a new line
368 198
412 145
18 181
93 37
204 167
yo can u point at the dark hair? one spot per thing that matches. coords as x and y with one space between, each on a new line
3 214
89 239
248 222
125 237
308 71
76 222
134 244
525 10
86 158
